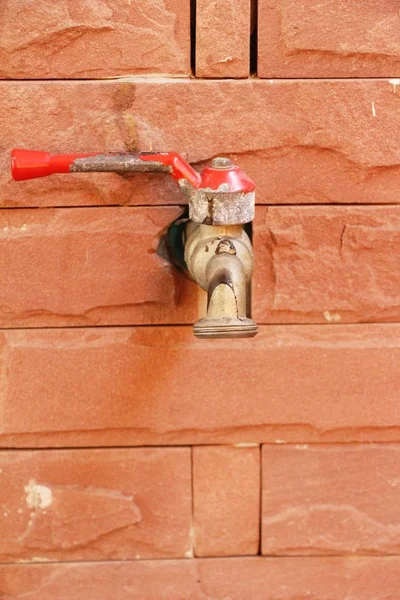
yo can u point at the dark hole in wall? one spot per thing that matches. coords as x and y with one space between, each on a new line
171 246
193 8
253 37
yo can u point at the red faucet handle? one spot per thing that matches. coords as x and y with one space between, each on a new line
220 176
29 164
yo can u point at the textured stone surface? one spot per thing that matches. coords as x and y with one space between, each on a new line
223 38
338 499
94 38
326 264
328 38
216 579
226 500
301 141
90 266
160 385
95 504
100 266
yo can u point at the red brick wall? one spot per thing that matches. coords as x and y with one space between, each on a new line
136 461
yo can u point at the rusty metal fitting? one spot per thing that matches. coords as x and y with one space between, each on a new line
221 207
226 196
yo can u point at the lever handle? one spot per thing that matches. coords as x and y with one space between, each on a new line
29 164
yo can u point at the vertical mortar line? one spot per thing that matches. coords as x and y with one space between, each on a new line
192 536
193 16
253 36
261 498
249 291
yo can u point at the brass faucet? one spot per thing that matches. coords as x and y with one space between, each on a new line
220 259
218 252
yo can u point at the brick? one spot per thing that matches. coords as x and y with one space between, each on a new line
223 38
161 385
90 266
219 578
47 40
339 499
326 264
226 500
101 504
328 39
301 141
96 266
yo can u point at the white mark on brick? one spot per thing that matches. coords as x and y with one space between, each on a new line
24 227
225 60
394 482
280 441
192 536
373 109
246 445
394 83
332 317
40 559
38 496
302 446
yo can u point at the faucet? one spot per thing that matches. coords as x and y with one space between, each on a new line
218 251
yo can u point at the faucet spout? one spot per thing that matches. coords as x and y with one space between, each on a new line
220 260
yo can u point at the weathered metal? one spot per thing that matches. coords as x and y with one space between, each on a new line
220 260
221 207
119 163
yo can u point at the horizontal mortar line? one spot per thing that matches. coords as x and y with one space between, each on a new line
156 78
102 326
383 324
360 78
83 206
85 448
190 325
329 204
112 78
344 556
159 446
184 206
259 557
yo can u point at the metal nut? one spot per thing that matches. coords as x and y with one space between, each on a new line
221 162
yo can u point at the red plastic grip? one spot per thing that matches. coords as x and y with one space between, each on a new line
29 164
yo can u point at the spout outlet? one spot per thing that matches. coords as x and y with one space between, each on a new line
221 261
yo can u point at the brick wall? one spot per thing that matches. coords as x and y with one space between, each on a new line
136 461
